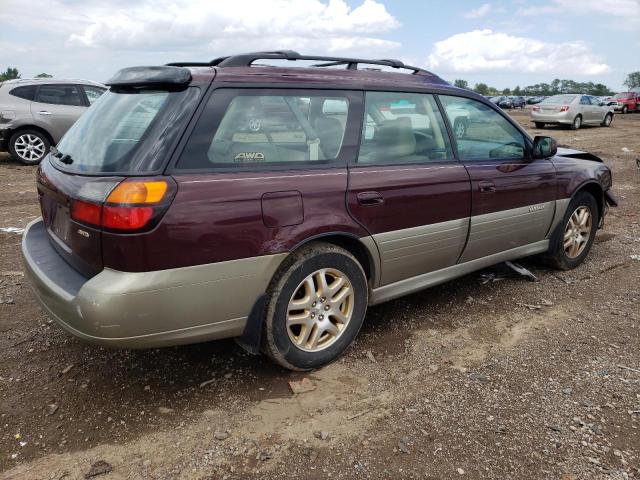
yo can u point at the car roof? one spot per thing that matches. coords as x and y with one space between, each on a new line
38 81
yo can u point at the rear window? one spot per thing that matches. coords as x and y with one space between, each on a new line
560 99
60 95
27 92
127 132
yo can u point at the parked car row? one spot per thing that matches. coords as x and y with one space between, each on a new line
36 113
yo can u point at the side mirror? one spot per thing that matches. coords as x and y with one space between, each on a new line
544 147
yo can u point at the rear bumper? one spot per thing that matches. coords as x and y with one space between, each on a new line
145 309
560 117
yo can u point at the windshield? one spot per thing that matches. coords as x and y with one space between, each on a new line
560 99
623 95
126 131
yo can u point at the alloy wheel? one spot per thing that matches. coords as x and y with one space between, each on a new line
577 232
320 310
577 122
30 147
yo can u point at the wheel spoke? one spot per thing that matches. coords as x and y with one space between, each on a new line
321 283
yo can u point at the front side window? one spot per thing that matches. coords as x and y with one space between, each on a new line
268 130
584 100
403 128
93 93
60 94
486 134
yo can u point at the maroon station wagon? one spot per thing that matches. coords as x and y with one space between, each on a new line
199 201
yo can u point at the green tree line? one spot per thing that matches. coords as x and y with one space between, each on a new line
557 86
11 73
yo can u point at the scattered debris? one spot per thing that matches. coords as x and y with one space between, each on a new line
546 303
460 471
12 273
53 408
8 300
322 435
479 377
635 257
17 230
66 369
626 150
302 386
628 368
403 444
567 391
165 410
207 382
221 436
370 356
352 417
516 267
99 468
529 306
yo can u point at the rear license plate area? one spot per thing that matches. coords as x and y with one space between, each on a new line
61 223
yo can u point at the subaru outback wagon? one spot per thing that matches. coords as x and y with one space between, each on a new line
199 201
36 113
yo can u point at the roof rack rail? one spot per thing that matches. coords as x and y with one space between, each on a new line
246 59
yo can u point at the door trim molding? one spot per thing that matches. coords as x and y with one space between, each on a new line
420 282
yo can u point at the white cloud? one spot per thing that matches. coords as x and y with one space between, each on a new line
479 12
486 50
231 26
625 13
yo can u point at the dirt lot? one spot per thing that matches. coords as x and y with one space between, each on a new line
460 381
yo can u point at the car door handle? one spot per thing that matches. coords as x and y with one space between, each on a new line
44 112
370 198
486 187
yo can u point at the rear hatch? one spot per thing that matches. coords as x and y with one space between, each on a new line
106 174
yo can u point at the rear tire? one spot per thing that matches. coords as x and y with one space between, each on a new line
572 240
29 146
608 118
539 125
625 109
577 123
309 321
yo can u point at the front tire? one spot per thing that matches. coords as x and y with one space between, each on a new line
577 123
608 118
572 240
317 303
625 109
29 146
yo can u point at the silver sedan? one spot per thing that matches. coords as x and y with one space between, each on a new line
572 110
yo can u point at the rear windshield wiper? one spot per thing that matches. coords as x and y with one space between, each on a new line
62 157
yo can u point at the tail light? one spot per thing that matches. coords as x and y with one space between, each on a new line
564 108
133 205
536 109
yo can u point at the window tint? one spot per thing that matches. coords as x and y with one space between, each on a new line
273 130
403 128
60 95
481 133
93 93
27 92
584 100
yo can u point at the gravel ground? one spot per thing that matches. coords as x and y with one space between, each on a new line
504 379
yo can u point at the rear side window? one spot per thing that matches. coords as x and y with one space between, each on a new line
60 95
27 92
402 128
257 129
480 132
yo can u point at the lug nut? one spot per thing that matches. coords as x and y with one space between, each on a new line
326 307
313 315
313 304
321 317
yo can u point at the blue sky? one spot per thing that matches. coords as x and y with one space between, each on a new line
503 43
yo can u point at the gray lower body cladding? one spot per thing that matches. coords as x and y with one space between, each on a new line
146 309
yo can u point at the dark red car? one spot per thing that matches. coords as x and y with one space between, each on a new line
200 201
